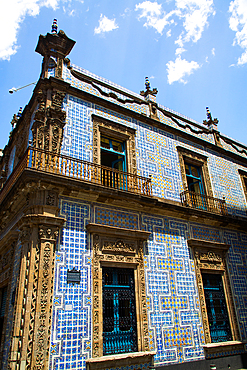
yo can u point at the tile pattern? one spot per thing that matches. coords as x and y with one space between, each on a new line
142 108
156 154
71 329
237 265
77 140
227 183
175 323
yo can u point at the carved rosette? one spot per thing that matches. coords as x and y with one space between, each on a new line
118 248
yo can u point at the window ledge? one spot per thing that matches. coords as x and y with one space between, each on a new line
123 359
221 349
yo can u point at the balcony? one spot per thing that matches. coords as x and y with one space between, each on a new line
43 161
203 202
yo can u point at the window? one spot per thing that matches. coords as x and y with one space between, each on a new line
196 196
113 153
114 145
217 307
218 319
119 311
113 156
194 171
120 321
194 178
243 176
196 183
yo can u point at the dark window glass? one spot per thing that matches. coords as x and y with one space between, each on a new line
119 312
113 153
219 324
194 178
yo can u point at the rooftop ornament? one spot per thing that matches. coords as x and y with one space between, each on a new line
54 27
19 114
210 122
148 89
15 118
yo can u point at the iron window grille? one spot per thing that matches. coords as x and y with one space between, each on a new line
119 311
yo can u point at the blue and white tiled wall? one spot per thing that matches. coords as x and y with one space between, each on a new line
175 323
156 154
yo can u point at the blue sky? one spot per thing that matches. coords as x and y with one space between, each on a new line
193 51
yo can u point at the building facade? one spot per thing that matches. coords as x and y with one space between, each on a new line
123 230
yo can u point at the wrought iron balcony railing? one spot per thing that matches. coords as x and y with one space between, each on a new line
203 202
62 165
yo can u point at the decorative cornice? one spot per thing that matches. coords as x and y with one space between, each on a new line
117 231
189 152
125 359
195 243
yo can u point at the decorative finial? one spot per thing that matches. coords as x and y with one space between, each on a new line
209 117
54 26
148 91
14 121
19 113
210 122
147 83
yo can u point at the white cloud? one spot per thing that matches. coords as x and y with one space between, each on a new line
105 25
176 71
126 12
13 13
213 52
238 24
195 15
179 51
155 16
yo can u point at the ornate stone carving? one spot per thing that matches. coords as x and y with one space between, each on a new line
124 250
49 121
118 246
48 232
210 256
51 198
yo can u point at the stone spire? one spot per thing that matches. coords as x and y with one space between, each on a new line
150 96
54 47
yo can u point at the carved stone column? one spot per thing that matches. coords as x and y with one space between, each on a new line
49 121
31 329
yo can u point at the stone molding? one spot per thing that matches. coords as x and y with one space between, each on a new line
186 155
113 361
220 349
32 323
117 247
211 257
116 131
243 176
